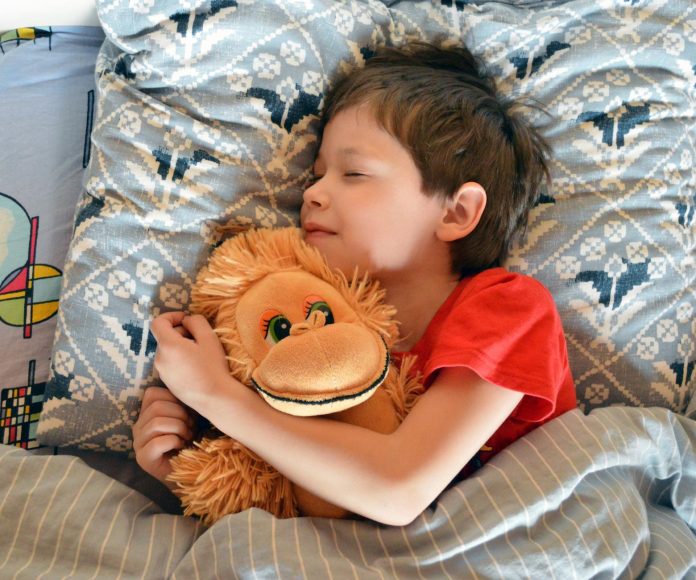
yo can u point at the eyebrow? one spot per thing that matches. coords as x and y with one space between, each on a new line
348 152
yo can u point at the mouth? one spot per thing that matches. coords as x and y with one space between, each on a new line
324 385
316 230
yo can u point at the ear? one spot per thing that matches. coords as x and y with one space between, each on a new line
462 212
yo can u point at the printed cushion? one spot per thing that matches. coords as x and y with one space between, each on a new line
207 115
46 107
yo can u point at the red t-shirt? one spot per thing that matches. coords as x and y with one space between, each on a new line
505 327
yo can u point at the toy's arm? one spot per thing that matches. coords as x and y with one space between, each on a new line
388 478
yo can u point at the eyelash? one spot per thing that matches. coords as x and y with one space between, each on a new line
266 320
314 178
309 302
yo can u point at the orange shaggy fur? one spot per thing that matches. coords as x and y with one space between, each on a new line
219 476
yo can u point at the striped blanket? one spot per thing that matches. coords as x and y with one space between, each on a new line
610 495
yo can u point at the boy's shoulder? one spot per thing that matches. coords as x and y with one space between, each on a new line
500 281
498 299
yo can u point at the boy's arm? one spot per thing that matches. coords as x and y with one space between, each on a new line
388 478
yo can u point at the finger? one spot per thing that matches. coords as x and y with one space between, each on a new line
153 456
160 427
201 331
174 317
162 327
163 445
182 331
168 409
152 394
197 325
158 401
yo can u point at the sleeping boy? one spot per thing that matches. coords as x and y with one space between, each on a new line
424 176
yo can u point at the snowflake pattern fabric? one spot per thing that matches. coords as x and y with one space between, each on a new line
208 115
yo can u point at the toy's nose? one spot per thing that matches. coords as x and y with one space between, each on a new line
316 320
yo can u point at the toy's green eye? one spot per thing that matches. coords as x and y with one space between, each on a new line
314 303
275 327
278 329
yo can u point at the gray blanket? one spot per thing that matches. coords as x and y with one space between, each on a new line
609 495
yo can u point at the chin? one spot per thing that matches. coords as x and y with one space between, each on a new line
317 238
335 255
321 242
338 262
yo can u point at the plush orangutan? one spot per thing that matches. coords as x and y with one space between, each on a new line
310 342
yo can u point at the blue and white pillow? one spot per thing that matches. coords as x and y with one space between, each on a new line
207 114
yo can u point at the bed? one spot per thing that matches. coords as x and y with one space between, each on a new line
127 145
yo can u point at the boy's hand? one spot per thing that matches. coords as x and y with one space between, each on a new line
164 426
190 358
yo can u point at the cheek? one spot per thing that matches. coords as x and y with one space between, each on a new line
375 253
303 212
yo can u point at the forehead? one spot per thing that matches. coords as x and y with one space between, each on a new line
355 132
287 293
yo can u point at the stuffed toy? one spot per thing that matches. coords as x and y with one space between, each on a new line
310 342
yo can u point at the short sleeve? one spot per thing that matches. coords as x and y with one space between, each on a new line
505 327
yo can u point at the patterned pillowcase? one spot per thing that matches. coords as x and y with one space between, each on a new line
46 108
208 114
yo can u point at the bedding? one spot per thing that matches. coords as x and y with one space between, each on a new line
207 115
46 107
607 495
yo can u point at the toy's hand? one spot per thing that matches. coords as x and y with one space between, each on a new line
164 426
190 358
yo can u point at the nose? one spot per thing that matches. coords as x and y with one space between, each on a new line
316 196
316 320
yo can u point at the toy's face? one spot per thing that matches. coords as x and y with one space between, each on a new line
312 353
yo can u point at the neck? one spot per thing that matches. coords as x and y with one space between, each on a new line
416 300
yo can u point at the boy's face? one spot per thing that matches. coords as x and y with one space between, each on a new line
365 206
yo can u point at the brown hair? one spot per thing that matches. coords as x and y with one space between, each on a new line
443 106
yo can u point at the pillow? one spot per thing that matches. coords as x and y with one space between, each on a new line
47 100
207 115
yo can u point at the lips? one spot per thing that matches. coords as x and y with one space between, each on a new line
313 228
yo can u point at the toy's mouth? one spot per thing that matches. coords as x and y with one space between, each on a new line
353 398
323 384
